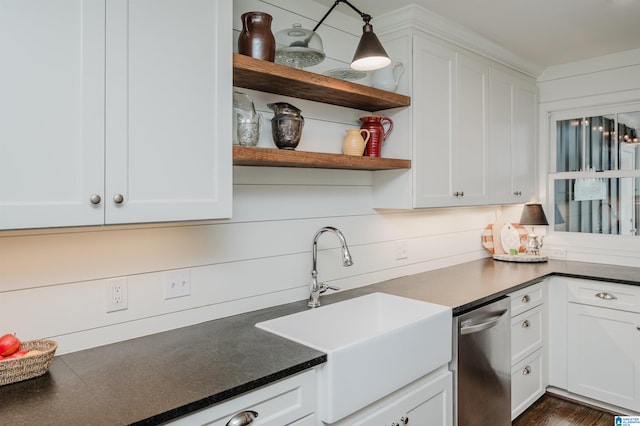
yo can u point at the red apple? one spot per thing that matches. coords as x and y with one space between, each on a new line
9 344
17 354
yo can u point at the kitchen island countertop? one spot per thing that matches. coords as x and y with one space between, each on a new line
162 376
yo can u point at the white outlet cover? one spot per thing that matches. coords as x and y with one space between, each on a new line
116 294
402 249
177 283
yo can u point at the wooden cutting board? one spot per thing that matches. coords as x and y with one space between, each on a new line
488 241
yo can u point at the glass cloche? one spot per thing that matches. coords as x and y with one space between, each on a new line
298 47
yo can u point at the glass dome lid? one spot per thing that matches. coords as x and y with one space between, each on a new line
298 47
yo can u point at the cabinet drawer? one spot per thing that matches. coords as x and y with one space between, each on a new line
526 298
526 383
623 297
425 402
526 333
282 403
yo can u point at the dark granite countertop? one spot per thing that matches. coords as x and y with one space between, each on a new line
159 377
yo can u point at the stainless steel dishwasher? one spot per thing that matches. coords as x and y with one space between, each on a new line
481 366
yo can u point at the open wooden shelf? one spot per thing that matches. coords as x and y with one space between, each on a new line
270 77
272 157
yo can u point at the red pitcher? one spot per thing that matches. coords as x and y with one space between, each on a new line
375 125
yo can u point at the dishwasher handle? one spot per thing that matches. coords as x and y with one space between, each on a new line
491 322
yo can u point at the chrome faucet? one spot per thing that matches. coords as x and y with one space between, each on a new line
318 289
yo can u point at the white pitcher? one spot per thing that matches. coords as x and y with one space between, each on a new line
387 78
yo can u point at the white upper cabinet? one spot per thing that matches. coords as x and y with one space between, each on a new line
117 112
51 112
471 125
168 150
512 106
432 99
470 131
449 115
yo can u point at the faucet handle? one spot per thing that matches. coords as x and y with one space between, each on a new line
324 287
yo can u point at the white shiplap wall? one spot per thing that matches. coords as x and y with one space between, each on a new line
52 282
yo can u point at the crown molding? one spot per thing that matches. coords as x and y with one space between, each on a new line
419 18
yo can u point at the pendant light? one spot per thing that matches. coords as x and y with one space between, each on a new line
370 55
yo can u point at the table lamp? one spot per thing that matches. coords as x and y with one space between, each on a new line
533 215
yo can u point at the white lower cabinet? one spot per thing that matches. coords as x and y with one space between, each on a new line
604 342
527 382
527 347
427 401
290 401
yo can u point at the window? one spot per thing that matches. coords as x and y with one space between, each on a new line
595 173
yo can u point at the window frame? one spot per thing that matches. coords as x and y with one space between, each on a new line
554 175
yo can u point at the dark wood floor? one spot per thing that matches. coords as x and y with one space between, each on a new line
553 411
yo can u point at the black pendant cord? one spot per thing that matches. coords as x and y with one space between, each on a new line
365 17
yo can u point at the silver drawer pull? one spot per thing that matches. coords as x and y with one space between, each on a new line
525 323
605 296
526 371
242 419
525 298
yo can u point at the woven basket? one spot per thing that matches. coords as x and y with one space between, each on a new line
27 367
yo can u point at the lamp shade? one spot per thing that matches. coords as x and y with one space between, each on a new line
370 55
533 214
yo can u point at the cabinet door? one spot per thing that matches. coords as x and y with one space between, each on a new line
51 113
449 119
168 109
523 155
511 136
433 96
500 135
470 132
604 355
429 403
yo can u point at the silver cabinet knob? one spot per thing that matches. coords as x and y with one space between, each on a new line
525 298
404 420
605 296
118 198
526 371
95 199
243 418
525 323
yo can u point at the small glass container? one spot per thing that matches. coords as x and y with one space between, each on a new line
248 130
243 110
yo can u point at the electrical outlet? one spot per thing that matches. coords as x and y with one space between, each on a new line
177 283
116 294
402 249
